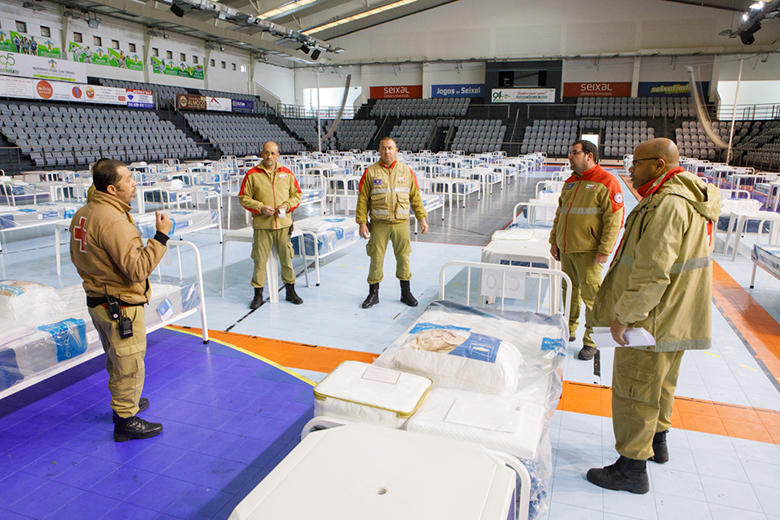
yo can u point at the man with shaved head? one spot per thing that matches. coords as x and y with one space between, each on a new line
660 280
271 193
387 194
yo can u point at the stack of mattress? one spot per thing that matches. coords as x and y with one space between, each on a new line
332 232
19 216
42 327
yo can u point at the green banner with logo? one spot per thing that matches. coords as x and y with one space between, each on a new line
21 43
124 61
170 68
86 54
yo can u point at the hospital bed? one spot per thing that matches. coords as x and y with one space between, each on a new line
324 236
766 257
18 218
431 202
45 331
184 223
490 377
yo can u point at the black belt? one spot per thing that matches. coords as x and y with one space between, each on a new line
94 301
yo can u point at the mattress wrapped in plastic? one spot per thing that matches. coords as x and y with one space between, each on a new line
365 393
183 220
25 215
42 327
469 349
332 232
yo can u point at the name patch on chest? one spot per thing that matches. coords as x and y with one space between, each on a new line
377 182
569 186
590 186
282 175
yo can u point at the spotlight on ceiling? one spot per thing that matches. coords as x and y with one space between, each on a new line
315 54
304 49
93 22
747 36
177 9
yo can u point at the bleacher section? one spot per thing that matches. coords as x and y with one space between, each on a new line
164 95
305 129
478 135
551 137
675 107
621 137
413 134
457 107
355 134
240 135
58 135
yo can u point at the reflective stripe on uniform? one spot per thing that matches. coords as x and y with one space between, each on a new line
402 211
376 191
402 190
378 211
582 211
678 267
693 263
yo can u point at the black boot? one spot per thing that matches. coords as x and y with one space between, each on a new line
587 352
292 296
135 428
660 451
624 475
257 301
373 296
406 294
143 404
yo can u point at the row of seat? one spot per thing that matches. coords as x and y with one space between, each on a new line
421 107
234 132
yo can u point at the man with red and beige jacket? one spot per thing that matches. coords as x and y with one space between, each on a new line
271 193
585 230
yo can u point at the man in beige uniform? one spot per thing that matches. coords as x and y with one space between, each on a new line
660 280
387 192
110 257
271 193
587 223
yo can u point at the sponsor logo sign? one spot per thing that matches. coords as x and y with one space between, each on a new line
669 88
523 95
242 105
218 104
191 102
458 91
140 98
396 92
597 89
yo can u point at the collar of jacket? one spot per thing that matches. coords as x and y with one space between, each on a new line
102 197
654 185
383 165
270 173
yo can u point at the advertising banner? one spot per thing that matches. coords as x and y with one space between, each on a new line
140 98
82 53
27 88
241 105
42 68
396 92
16 87
57 91
458 91
220 104
597 89
669 88
21 43
523 95
191 102
171 68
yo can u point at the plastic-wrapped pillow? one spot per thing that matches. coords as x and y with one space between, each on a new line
29 302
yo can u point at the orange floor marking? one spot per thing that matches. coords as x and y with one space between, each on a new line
744 422
751 320
290 354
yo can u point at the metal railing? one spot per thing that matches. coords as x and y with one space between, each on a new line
301 111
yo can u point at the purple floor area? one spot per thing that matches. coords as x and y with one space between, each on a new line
228 418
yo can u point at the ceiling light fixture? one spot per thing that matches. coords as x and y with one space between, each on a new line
358 16
286 8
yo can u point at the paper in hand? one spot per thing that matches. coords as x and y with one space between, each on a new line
636 337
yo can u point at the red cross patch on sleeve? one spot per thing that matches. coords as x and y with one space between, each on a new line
80 234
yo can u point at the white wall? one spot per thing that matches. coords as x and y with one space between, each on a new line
227 79
598 70
329 77
279 81
498 29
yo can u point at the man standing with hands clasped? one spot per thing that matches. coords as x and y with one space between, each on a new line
387 193
660 280
271 192
586 227
110 257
